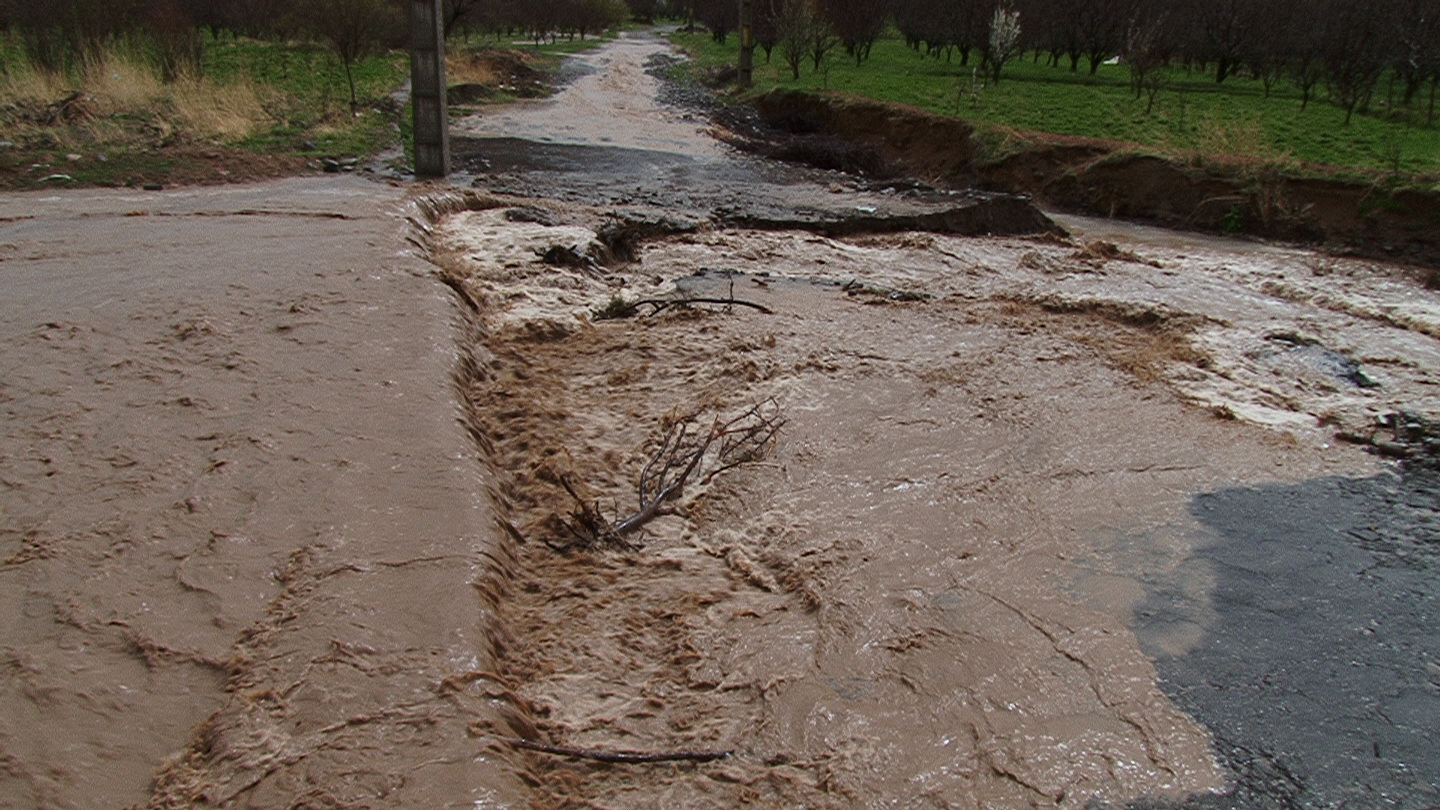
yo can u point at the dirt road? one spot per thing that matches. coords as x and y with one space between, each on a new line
1051 521
241 521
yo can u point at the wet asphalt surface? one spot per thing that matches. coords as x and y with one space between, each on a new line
1319 671
732 189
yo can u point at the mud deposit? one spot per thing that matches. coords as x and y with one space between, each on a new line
240 527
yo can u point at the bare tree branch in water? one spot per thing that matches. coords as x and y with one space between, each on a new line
620 308
620 756
687 452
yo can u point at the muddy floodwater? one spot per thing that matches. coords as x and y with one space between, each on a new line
999 554
295 492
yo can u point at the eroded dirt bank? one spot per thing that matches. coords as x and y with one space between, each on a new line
1108 179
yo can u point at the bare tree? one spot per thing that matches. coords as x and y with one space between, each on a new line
822 39
1223 29
1145 56
644 11
1415 26
1100 30
353 29
62 34
1352 53
762 26
722 17
1298 46
911 20
794 22
938 27
597 16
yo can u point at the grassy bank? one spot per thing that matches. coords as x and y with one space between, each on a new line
256 108
1191 113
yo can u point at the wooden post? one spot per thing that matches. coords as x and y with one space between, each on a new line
427 89
747 43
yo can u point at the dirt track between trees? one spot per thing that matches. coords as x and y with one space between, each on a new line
1052 520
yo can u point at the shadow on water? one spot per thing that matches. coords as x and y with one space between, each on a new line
1319 670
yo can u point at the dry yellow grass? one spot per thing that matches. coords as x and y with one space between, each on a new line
469 69
122 88
228 111
1234 136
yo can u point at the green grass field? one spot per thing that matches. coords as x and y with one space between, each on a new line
310 98
1192 113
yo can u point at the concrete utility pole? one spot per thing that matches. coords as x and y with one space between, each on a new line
427 89
747 43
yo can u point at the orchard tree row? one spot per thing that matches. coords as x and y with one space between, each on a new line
64 34
1344 46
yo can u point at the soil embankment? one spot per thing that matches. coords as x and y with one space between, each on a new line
1109 179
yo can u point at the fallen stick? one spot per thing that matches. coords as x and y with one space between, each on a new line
665 303
620 756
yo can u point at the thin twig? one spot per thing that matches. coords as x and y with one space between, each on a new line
620 756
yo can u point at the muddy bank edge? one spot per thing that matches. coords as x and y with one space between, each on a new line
1112 179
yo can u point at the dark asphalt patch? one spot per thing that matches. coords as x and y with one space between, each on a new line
1320 675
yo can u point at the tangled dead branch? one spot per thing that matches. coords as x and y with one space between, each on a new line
620 308
688 452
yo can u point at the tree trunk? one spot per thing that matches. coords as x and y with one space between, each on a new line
350 79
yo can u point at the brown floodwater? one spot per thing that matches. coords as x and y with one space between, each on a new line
919 598
932 593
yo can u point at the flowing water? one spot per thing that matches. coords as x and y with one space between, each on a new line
986 520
